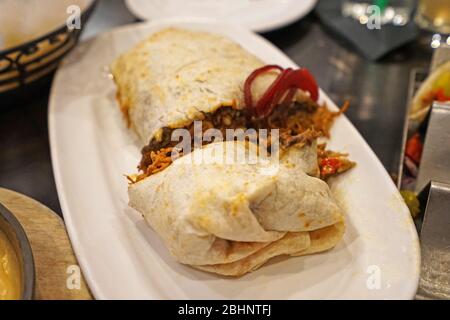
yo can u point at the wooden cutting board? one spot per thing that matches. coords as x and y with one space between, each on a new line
56 266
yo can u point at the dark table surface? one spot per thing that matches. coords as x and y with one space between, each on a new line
377 92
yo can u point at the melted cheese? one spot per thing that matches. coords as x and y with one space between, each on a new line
9 270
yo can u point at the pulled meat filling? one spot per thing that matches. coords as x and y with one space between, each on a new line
222 119
300 121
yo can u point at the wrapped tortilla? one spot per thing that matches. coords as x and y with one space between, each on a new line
225 217
435 88
168 79
231 218
177 75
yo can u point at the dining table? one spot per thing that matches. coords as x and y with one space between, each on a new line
377 92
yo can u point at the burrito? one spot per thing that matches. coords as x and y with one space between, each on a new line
231 219
177 76
228 217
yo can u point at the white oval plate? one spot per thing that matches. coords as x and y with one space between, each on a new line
257 15
121 257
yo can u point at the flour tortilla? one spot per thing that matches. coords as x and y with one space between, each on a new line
324 239
220 213
293 244
419 109
289 244
169 79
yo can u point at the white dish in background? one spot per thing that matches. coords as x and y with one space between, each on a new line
257 15
121 257
24 21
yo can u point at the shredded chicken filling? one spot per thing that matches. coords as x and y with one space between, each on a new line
299 122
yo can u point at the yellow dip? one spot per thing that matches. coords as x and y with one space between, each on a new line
9 270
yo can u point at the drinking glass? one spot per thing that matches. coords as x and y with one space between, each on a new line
434 15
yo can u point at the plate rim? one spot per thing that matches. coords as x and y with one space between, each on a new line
58 176
260 27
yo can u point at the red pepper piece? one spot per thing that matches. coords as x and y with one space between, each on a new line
440 95
414 148
329 166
